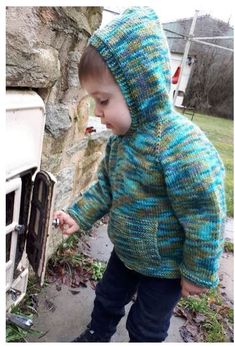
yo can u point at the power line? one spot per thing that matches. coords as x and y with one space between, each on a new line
111 11
174 32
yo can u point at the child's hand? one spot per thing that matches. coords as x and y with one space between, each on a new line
188 288
67 223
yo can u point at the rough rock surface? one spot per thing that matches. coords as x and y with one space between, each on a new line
43 49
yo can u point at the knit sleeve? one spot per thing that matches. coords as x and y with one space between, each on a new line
96 201
194 176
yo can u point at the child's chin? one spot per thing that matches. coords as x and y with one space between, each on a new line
116 132
119 132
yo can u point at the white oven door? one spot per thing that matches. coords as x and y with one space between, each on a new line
13 198
40 222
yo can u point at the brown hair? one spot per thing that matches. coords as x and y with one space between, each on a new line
91 65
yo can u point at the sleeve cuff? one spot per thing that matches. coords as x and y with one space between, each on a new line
208 280
79 220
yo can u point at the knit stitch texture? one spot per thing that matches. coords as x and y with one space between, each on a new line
162 183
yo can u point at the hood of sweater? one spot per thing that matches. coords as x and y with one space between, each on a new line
135 49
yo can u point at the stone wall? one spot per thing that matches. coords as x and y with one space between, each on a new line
43 49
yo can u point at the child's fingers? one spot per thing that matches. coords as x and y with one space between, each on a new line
62 216
57 214
67 223
70 230
184 292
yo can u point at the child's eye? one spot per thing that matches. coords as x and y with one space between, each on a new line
104 102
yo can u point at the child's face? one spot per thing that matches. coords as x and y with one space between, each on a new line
110 104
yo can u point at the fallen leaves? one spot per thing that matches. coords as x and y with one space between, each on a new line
208 318
72 265
191 330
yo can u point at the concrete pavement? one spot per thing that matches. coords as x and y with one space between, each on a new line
69 313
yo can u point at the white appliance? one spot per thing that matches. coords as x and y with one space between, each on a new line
29 193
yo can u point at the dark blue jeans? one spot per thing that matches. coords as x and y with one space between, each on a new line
149 317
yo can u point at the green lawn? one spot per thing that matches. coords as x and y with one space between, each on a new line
220 133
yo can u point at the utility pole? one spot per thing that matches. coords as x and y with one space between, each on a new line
185 56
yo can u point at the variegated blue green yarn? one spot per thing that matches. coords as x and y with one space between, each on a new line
162 183
135 49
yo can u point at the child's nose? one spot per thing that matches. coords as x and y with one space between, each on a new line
98 112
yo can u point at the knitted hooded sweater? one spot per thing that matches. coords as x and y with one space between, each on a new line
161 182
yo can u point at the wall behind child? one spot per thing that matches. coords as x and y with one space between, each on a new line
43 49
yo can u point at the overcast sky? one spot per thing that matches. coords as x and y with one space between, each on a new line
168 10
171 10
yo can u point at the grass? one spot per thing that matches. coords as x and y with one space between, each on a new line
68 264
228 247
213 317
220 133
15 333
217 315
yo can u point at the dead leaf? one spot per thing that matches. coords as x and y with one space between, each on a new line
74 292
58 287
184 313
199 317
93 284
192 329
49 305
180 312
186 335
83 284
